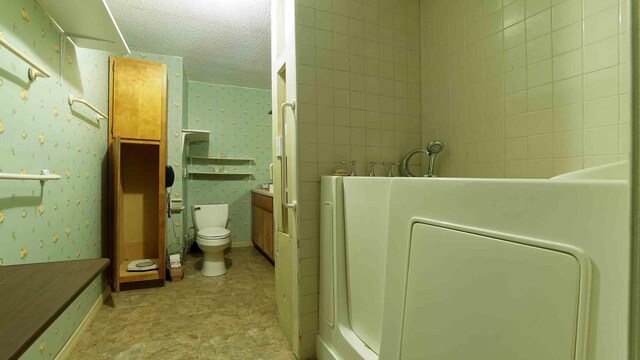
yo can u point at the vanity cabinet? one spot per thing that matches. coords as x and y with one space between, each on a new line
262 224
137 160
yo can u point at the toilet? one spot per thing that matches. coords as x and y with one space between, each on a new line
212 237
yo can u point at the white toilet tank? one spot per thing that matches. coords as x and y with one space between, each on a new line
206 216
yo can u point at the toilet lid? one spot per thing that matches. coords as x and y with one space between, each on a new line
213 233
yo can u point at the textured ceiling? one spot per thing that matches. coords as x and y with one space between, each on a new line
221 41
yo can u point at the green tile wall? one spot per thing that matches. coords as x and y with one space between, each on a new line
64 220
240 127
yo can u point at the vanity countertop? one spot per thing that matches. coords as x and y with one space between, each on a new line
34 295
262 192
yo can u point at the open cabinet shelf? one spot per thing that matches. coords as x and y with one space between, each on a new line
135 276
138 209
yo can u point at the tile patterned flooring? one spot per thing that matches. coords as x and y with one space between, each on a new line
226 317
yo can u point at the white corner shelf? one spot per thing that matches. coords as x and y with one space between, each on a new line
191 135
196 135
211 173
89 23
218 158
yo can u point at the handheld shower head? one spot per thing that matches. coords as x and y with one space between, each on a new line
433 148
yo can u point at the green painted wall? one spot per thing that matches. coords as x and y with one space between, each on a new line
240 127
64 220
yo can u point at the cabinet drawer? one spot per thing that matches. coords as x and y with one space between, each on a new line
263 202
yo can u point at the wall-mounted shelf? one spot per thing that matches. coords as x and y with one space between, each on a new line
196 135
44 176
190 135
214 158
94 29
210 173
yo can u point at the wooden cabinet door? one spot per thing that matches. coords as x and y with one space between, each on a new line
257 227
267 233
138 99
116 217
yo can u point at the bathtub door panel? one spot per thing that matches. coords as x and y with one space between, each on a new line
476 297
366 230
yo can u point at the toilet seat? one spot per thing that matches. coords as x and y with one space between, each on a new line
213 233
214 236
216 242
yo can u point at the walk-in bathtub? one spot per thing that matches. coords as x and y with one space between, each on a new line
415 268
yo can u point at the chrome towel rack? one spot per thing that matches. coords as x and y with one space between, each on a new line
35 71
73 100
45 175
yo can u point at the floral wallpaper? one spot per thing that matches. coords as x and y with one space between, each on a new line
64 219
185 124
240 128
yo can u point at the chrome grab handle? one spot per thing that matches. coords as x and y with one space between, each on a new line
283 146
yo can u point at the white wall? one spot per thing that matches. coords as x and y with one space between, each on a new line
358 82
526 88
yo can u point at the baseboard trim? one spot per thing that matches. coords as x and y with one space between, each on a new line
241 244
67 349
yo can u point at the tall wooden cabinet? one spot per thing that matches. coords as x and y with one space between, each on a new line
137 159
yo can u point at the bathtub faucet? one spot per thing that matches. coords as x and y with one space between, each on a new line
353 166
390 170
372 167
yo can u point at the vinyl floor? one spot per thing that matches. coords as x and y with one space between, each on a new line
226 317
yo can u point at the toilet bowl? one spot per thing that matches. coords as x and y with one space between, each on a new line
212 237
